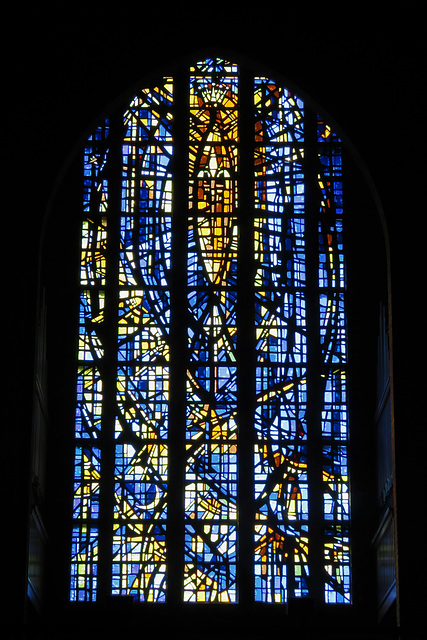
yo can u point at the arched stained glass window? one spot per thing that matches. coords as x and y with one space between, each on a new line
211 431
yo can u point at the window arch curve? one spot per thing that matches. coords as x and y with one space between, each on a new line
212 430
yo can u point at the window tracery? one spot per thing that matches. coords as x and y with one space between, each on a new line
259 257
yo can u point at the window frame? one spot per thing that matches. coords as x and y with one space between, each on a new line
248 465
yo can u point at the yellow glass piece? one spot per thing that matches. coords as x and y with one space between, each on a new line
218 238
271 393
153 99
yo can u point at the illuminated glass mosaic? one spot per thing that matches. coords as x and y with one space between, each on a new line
125 353
143 320
333 344
210 494
90 352
280 452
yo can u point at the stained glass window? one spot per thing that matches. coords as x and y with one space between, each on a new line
211 426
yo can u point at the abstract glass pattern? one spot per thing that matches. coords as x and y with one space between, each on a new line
90 353
210 500
333 345
143 321
280 451
126 362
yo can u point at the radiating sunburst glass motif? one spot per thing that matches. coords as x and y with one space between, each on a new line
126 360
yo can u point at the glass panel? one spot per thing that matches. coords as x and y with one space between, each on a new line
143 328
90 354
210 500
280 453
333 344
84 564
